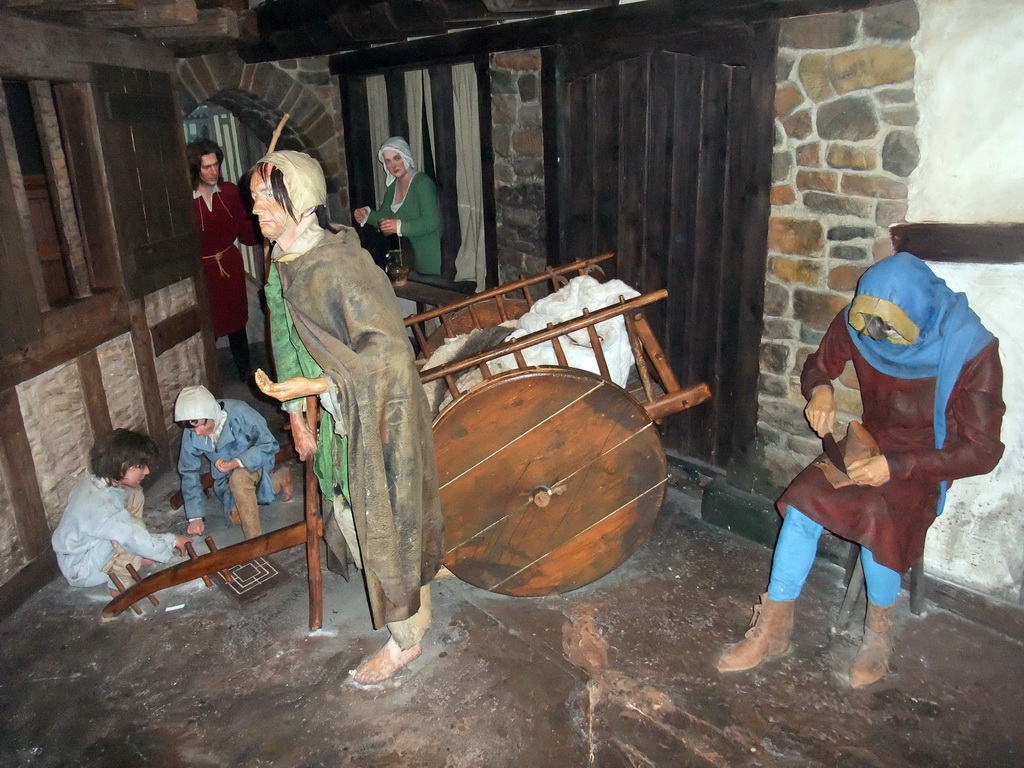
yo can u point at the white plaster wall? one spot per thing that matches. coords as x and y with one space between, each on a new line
970 62
979 539
59 434
121 383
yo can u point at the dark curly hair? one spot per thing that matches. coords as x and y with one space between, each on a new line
118 451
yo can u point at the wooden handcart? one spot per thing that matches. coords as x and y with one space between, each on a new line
550 476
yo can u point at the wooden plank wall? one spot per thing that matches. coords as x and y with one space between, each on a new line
659 168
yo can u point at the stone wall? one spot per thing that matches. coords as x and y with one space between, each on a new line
518 140
845 145
259 94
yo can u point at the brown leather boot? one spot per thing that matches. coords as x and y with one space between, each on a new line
768 636
872 661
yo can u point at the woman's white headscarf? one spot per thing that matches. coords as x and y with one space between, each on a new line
401 146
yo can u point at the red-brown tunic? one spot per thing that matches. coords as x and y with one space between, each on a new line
892 519
218 230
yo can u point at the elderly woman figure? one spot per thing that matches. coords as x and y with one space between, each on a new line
931 389
336 333
409 208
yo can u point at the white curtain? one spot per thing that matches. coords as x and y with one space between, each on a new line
377 107
416 94
470 263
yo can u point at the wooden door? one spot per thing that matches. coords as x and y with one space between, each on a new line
664 158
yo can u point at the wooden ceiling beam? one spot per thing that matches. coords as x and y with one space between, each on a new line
153 13
53 7
211 24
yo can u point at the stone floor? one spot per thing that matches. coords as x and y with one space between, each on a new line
618 673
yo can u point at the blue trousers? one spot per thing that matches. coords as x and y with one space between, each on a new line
794 555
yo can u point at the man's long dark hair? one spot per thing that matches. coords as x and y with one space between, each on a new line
195 151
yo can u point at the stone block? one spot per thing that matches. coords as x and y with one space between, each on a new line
529 87
850 233
873 186
503 108
528 143
529 116
782 164
226 69
528 168
774 358
815 308
773 385
504 82
822 181
844 278
901 116
784 62
848 252
900 153
787 98
798 125
895 96
523 59
866 68
851 157
795 271
899 21
828 30
809 155
776 299
851 118
822 202
889 212
776 328
795 236
782 194
814 77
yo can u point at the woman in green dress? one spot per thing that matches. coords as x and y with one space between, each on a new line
409 208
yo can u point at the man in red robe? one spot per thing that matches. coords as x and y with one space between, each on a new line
931 389
222 220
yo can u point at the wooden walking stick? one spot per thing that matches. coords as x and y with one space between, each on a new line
267 247
314 528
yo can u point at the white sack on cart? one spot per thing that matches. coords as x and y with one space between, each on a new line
583 292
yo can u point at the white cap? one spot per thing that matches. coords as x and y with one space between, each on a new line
195 403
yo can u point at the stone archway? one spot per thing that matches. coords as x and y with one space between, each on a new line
260 94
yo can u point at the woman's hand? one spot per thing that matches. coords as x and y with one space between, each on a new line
302 436
361 215
389 226
873 470
821 410
300 386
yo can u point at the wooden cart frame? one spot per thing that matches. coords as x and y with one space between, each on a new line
532 400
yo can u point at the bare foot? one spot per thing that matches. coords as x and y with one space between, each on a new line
146 561
235 519
113 592
385 663
287 486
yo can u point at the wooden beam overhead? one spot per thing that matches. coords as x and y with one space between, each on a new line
209 24
155 13
68 6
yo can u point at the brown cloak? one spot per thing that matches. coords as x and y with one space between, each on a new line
343 308
893 519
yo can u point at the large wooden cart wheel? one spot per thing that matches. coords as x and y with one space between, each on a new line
550 478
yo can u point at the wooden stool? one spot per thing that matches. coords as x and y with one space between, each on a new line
855 589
